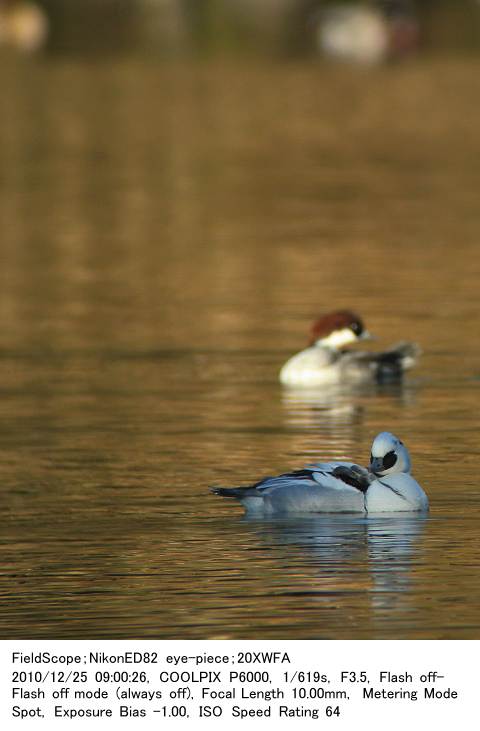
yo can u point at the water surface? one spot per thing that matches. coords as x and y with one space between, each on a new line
168 233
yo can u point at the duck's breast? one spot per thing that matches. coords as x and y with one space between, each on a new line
311 367
395 494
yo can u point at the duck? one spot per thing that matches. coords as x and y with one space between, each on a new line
353 33
386 486
368 34
326 362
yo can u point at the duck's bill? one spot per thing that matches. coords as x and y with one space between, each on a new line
367 336
376 466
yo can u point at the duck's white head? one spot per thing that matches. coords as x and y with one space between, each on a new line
389 455
337 329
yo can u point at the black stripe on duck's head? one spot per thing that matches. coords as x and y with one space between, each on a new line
338 328
389 455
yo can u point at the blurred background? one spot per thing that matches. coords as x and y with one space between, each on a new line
184 186
278 28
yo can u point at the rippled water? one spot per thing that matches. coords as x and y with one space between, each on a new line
168 233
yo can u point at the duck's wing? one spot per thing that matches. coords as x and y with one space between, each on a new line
244 491
267 484
336 476
302 478
312 490
385 364
355 476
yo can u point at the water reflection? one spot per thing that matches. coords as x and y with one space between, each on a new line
393 545
342 407
335 547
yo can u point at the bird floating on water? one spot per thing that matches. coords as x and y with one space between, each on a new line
339 487
325 362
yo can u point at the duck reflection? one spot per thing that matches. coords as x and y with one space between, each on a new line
392 555
340 406
372 555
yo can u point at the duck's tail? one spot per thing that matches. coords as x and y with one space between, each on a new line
390 365
405 354
240 493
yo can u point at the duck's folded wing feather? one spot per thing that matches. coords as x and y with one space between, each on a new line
301 477
354 475
330 487
400 357
343 477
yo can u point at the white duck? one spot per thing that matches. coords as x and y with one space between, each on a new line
324 362
340 487
369 33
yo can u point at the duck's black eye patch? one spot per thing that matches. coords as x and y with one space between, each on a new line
356 327
389 460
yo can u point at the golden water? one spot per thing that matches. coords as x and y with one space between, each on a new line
168 233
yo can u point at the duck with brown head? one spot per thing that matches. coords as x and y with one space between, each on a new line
338 329
325 361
